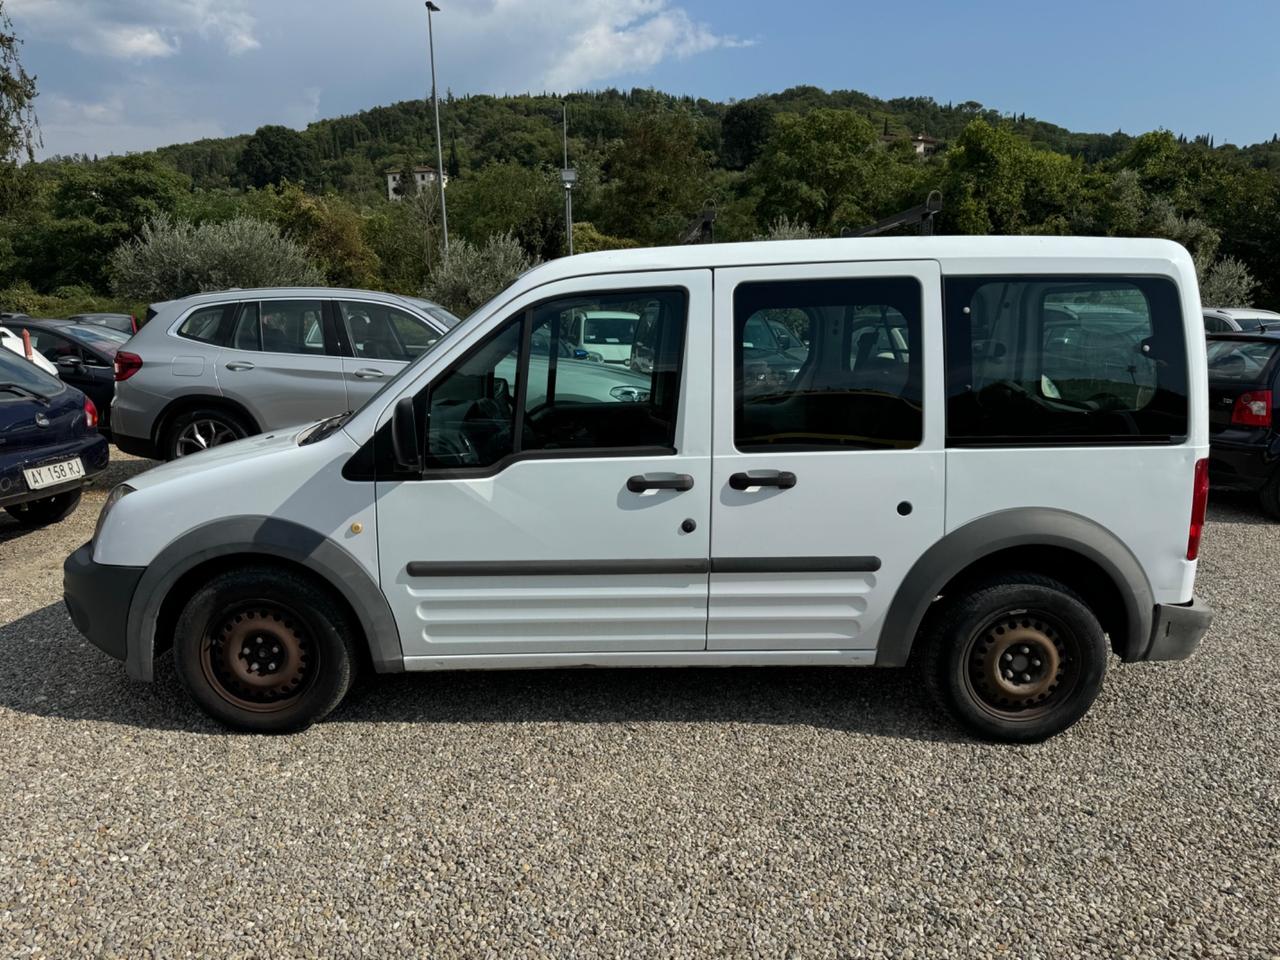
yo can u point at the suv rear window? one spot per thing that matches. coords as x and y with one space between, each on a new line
209 324
1053 360
1240 361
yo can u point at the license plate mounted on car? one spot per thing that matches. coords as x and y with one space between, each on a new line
53 474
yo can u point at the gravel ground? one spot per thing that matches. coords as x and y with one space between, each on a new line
796 813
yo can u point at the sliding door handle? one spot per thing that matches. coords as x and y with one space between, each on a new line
639 484
782 479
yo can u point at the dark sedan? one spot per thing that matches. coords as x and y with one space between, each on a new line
84 355
49 443
122 322
1244 414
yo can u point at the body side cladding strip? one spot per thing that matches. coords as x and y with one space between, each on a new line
1024 527
605 568
267 537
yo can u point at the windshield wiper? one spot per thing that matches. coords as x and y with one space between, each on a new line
326 428
25 392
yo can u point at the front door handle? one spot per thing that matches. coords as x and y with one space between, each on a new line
239 365
782 479
368 373
639 484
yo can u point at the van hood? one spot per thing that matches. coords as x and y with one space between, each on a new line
250 448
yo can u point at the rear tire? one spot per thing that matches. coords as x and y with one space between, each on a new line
264 649
1270 497
1018 658
200 429
42 513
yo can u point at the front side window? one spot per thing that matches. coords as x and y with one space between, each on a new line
527 389
828 364
380 332
1034 360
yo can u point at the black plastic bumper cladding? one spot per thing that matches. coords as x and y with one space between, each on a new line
1178 629
98 597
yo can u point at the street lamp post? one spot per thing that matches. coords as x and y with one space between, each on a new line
435 102
568 177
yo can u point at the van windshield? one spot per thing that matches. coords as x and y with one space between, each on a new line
610 329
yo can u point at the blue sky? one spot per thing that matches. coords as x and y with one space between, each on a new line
119 75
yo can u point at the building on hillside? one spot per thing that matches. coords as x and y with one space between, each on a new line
923 144
425 177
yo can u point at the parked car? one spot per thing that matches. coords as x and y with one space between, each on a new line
122 322
936 493
1228 319
13 343
1244 414
82 355
216 367
49 444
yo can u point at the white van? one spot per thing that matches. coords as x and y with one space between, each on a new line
992 455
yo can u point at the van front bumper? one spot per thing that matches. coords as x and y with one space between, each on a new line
1177 630
98 597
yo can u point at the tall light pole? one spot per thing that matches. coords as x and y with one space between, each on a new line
435 102
568 177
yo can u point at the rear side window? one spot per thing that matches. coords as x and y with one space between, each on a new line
208 324
1241 361
1036 360
828 364
281 326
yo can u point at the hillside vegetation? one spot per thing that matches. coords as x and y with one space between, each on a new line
803 160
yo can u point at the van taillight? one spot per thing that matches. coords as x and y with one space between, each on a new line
127 364
1252 409
90 414
1199 502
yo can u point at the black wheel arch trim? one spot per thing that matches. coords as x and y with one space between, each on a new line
195 401
270 538
1022 527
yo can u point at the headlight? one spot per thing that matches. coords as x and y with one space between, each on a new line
121 491
629 394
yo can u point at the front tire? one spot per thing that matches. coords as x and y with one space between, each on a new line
1017 659
42 513
265 650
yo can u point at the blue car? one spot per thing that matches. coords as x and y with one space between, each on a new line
50 446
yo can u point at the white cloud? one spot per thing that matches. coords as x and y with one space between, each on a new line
137 29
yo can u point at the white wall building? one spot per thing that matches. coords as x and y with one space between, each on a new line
425 177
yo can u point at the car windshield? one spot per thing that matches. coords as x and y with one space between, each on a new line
1240 360
435 310
16 371
619 330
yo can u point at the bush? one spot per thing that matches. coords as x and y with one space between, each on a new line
474 274
587 239
64 302
174 259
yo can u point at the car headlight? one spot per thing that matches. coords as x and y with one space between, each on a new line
120 491
628 394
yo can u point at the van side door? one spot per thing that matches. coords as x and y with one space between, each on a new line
828 473
564 507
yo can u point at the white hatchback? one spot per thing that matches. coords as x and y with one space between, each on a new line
991 453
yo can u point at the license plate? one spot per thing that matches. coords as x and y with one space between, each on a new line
52 474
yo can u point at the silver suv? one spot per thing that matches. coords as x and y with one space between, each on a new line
216 367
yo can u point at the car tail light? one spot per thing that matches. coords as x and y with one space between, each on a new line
133 323
1252 409
1199 502
127 364
90 414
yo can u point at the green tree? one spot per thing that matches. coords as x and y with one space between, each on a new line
19 131
275 154
329 227
505 198
743 133
475 273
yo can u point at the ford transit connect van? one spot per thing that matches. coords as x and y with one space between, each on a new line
990 460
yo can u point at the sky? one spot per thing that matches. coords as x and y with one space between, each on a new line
120 75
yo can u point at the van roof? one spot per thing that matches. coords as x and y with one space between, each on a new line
766 252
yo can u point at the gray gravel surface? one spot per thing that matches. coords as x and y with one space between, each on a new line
798 813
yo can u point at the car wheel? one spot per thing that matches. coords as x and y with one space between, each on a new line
265 650
196 430
1017 659
1271 497
41 513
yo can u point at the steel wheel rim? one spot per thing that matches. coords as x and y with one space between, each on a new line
204 433
1021 664
259 656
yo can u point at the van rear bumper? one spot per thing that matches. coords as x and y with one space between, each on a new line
98 598
1177 629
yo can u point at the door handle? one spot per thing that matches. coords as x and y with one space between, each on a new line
782 479
368 373
641 483
239 365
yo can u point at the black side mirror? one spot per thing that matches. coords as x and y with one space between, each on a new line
69 363
406 441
